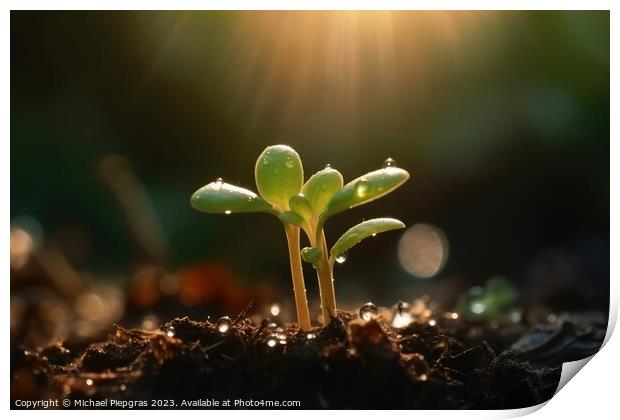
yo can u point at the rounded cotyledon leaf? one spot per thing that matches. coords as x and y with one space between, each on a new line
362 231
220 197
279 175
366 188
321 187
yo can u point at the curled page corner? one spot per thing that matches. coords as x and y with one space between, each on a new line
569 370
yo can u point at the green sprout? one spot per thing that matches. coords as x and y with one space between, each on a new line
307 206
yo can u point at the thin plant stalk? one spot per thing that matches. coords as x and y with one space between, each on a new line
326 281
299 288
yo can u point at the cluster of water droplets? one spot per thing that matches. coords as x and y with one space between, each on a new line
275 334
276 337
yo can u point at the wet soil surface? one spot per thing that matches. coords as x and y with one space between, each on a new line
350 364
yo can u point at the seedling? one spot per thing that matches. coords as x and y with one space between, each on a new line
307 206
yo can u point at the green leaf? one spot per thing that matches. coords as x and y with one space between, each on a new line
366 188
362 231
220 197
321 187
292 218
279 175
300 205
311 255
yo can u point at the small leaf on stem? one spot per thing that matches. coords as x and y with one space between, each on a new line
311 255
292 218
362 231
300 205
220 197
366 188
321 187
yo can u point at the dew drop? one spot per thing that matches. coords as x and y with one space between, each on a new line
328 166
289 163
224 324
368 311
389 162
311 336
361 188
272 341
219 181
401 320
227 212
170 331
341 258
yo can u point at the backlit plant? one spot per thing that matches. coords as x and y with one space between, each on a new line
307 206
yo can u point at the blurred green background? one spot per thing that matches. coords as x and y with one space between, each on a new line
501 117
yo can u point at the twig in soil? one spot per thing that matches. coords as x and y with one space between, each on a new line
243 313
212 346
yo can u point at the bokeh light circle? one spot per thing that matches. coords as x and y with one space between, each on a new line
423 250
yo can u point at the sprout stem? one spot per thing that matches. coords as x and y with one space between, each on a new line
326 282
299 287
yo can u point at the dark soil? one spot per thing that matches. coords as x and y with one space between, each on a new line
350 364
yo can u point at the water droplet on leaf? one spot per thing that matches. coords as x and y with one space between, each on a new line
361 188
368 311
341 258
227 212
389 162
289 163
